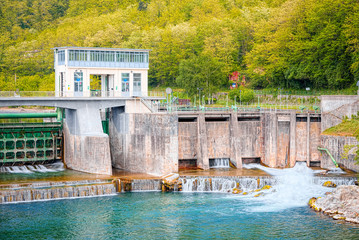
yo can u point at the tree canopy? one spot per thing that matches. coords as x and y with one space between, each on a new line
275 43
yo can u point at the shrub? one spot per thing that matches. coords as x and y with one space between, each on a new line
241 94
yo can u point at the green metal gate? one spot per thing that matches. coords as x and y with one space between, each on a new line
30 142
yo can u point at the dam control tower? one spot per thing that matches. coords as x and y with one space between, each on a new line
100 72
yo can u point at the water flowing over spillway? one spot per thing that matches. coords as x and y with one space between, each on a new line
53 167
224 184
293 189
219 163
290 187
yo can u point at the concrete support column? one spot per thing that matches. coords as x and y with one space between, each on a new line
118 131
270 139
144 143
262 152
87 148
84 121
235 152
202 146
292 141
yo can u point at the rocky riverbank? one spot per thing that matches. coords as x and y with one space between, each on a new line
341 204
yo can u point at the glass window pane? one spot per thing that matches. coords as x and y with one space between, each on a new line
125 82
78 80
137 82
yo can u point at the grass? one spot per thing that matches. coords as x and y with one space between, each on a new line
349 128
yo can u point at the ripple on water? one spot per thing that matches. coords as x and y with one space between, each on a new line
158 215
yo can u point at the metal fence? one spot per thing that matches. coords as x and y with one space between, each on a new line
278 92
175 108
92 93
27 94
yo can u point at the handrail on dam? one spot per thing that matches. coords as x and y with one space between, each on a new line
330 155
101 94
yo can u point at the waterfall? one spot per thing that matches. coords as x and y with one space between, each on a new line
52 167
219 163
42 191
138 185
290 187
224 184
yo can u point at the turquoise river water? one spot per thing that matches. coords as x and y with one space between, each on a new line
156 215
279 213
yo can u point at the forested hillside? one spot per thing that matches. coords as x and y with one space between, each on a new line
275 43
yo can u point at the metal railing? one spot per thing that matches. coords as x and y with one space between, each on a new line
91 93
27 94
151 105
173 108
277 92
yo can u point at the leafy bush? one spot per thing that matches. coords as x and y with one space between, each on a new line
241 94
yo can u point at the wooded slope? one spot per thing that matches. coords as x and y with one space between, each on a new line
275 43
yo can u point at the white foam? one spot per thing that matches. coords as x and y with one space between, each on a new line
295 186
220 163
28 169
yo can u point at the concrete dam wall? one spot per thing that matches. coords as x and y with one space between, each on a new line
144 142
158 143
275 139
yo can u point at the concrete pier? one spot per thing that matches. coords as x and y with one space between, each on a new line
86 147
145 143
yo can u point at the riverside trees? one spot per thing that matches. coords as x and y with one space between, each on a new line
276 43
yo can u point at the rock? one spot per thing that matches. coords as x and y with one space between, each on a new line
171 183
259 194
312 202
236 191
338 217
245 193
352 220
329 184
266 187
341 204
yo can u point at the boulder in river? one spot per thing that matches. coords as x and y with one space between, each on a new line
329 184
236 191
343 203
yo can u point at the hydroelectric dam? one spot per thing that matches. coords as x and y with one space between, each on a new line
129 134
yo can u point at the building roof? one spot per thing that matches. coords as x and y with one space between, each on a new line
102 49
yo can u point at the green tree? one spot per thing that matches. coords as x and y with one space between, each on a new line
201 72
302 44
241 94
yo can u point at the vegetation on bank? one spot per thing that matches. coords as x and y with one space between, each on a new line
349 128
290 44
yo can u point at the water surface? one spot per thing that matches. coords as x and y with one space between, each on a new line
156 215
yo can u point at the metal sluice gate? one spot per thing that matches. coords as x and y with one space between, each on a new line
27 143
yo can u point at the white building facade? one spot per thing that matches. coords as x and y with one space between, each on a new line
101 72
